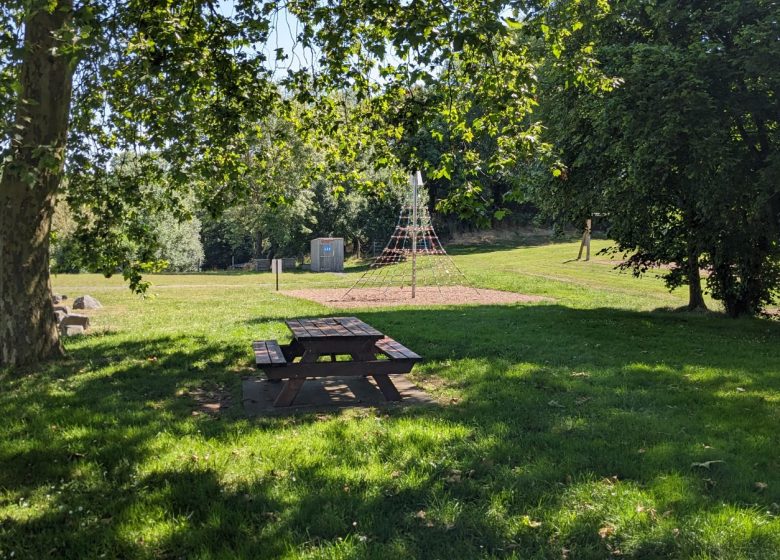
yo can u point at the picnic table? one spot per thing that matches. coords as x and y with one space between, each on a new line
368 353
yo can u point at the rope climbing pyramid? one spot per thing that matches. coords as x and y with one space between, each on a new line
414 257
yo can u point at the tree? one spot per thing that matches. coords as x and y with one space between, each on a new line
29 181
179 243
679 154
173 79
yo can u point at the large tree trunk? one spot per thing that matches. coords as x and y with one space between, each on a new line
29 182
695 294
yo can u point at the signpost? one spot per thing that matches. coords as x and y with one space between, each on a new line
276 268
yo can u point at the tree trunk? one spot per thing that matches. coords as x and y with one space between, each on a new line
29 182
695 294
258 244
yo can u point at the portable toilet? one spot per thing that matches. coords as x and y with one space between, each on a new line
327 254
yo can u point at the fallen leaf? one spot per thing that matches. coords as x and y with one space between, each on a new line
580 374
740 389
420 514
761 486
606 531
556 404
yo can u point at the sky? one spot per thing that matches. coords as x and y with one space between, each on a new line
284 29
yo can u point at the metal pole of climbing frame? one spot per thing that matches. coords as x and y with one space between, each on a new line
414 232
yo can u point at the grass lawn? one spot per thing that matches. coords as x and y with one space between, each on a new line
591 426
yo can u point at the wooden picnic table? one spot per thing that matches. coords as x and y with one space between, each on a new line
369 353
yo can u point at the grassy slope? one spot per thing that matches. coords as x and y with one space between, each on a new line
571 429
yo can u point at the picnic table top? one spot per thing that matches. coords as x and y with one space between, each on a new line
332 328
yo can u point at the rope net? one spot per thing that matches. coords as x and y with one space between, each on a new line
414 255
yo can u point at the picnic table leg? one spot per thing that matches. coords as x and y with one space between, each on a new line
289 392
387 387
382 380
293 386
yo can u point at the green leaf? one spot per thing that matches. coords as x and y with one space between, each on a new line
512 23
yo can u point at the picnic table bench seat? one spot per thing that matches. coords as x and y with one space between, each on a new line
268 353
395 350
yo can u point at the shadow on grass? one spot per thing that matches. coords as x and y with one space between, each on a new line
572 417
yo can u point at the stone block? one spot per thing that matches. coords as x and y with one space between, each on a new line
72 330
75 319
86 302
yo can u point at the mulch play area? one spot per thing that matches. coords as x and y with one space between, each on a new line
425 295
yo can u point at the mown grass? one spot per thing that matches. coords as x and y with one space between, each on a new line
590 426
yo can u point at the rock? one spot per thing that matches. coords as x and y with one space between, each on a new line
75 319
60 315
64 308
58 298
86 302
72 330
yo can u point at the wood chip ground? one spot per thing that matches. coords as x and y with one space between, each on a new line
425 295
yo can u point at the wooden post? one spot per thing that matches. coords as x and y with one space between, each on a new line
585 241
276 268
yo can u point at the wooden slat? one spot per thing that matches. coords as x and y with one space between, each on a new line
307 332
297 329
352 325
268 353
357 327
355 324
331 327
328 328
396 350
312 328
